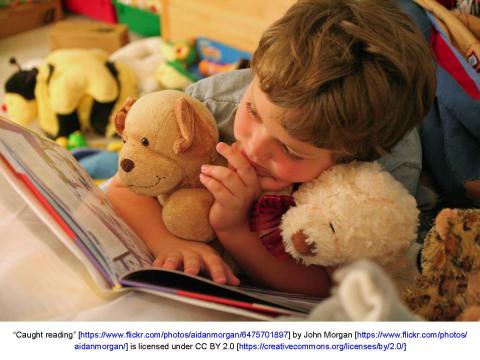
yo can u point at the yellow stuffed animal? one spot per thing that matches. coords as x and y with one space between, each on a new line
74 89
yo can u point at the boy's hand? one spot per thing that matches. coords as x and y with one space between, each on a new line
234 188
193 257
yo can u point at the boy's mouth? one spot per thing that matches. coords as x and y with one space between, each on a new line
267 181
259 169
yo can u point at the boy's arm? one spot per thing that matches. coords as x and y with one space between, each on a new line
144 215
235 189
284 275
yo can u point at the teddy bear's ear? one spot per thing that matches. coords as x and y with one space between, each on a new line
197 133
121 115
185 115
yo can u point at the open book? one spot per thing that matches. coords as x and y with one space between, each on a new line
66 199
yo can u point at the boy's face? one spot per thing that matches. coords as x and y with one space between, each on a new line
278 158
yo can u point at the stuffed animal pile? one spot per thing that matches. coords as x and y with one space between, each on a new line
167 137
449 285
73 89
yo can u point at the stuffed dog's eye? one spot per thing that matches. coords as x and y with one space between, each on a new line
145 142
331 227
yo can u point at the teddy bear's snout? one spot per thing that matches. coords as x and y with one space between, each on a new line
127 165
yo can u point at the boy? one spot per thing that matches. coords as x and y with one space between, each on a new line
331 81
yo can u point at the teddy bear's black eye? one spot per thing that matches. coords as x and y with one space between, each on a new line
145 142
331 227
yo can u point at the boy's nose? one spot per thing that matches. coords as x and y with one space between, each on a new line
259 147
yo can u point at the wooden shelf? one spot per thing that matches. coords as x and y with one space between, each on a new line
238 23
23 17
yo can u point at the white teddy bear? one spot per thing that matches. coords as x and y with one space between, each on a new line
350 212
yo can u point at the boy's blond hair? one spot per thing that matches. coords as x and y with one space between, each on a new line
354 76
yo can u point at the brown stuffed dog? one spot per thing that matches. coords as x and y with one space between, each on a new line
167 137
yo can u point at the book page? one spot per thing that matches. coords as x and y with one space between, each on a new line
69 190
9 179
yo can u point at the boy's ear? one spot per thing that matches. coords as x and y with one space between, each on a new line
121 115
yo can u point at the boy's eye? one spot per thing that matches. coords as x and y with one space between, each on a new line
250 109
287 151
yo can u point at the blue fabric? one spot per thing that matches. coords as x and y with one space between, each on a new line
451 131
451 138
99 164
102 165
417 14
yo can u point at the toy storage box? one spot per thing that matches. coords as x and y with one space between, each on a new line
23 17
102 10
87 34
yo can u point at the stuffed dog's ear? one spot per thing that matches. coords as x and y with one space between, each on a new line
121 115
196 132
186 117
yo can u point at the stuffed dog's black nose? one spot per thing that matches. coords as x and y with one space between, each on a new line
127 165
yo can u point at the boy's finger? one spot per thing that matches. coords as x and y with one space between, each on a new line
191 264
227 177
241 165
173 261
158 262
215 268
221 194
231 278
